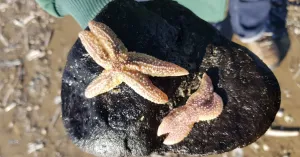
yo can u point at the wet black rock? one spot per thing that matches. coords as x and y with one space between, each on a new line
122 123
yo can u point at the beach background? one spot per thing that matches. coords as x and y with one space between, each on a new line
33 51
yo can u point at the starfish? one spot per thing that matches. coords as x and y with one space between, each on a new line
202 105
132 68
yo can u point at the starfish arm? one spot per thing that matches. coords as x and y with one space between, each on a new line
106 81
152 66
177 124
107 38
174 138
92 46
217 107
203 94
202 105
206 84
143 86
207 104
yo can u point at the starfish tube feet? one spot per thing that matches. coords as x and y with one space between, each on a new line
202 105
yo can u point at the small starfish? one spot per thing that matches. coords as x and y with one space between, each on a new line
120 65
202 105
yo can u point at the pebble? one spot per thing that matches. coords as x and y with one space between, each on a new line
288 119
266 147
297 31
142 118
49 52
10 107
57 100
43 131
33 147
11 125
18 23
238 152
280 113
254 146
35 54
287 93
29 108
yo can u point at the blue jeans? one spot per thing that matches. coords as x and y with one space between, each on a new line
249 19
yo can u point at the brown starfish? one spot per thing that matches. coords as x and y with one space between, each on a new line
122 66
202 105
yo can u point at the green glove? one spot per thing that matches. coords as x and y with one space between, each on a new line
209 10
85 10
81 10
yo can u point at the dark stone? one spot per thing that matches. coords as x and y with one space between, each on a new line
122 123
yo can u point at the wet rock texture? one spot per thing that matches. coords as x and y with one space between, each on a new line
122 123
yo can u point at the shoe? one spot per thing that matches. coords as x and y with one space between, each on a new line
266 49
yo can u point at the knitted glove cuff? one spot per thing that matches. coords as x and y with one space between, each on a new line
85 10
81 11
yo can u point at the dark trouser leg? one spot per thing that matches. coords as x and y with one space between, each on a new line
249 18
277 20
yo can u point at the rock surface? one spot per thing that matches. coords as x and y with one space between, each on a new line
122 123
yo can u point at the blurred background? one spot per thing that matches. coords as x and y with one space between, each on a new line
33 51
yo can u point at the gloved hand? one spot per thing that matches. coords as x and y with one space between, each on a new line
84 11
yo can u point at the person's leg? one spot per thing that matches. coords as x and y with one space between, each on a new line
277 20
250 19
277 25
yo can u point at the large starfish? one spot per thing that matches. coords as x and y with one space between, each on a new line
120 65
202 105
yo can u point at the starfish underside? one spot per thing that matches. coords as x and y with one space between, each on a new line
202 105
120 65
